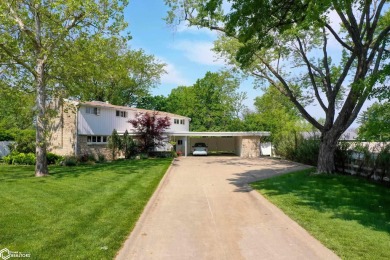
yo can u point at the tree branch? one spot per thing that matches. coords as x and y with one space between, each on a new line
23 27
19 61
343 74
335 35
287 91
313 82
326 64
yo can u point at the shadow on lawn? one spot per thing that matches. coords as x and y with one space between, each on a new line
117 167
13 173
345 197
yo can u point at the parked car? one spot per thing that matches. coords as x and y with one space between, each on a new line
199 149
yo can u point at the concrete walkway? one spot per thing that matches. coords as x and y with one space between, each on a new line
204 209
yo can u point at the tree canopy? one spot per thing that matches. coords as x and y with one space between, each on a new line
375 123
212 103
35 39
294 46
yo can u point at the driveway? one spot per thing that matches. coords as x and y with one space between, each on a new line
204 209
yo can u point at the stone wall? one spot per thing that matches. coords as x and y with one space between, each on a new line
250 147
93 149
62 137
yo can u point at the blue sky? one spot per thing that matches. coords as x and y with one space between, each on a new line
186 51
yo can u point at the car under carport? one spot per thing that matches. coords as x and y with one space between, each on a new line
242 144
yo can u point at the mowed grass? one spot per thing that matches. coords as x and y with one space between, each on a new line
83 212
348 215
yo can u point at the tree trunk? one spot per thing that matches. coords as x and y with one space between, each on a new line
328 145
40 150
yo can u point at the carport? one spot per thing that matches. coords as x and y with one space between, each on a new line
243 144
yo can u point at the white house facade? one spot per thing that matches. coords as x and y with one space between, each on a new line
84 127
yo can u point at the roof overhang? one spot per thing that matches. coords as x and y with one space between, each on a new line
220 134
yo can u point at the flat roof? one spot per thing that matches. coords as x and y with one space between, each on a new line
257 133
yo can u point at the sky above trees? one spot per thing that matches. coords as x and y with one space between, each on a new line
186 51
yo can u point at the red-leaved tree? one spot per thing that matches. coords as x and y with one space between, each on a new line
150 128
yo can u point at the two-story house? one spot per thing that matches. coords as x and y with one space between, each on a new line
84 127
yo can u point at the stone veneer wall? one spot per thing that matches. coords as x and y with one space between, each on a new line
62 139
94 149
250 147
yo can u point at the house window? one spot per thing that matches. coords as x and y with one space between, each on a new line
92 110
179 142
96 139
121 113
176 121
182 122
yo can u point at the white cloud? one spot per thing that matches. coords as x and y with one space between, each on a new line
184 28
199 52
173 75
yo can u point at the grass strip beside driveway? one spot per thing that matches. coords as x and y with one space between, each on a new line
82 212
348 215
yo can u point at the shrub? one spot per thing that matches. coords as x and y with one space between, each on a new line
306 151
53 158
87 157
24 141
20 158
101 158
70 161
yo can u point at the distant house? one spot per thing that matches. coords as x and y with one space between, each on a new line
84 127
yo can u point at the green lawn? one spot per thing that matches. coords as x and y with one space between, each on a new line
348 215
82 212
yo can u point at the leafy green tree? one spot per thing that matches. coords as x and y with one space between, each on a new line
288 45
16 108
275 113
158 103
114 73
375 123
212 103
35 38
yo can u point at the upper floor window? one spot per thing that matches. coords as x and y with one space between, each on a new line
176 121
121 113
182 122
92 110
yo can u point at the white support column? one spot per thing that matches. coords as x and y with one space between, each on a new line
185 146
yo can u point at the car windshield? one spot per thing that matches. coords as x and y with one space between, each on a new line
200 145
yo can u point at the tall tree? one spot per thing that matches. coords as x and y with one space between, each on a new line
290 45
35 34
115 73
212 103
277 114
375 123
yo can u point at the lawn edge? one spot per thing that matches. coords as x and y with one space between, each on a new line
124 250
